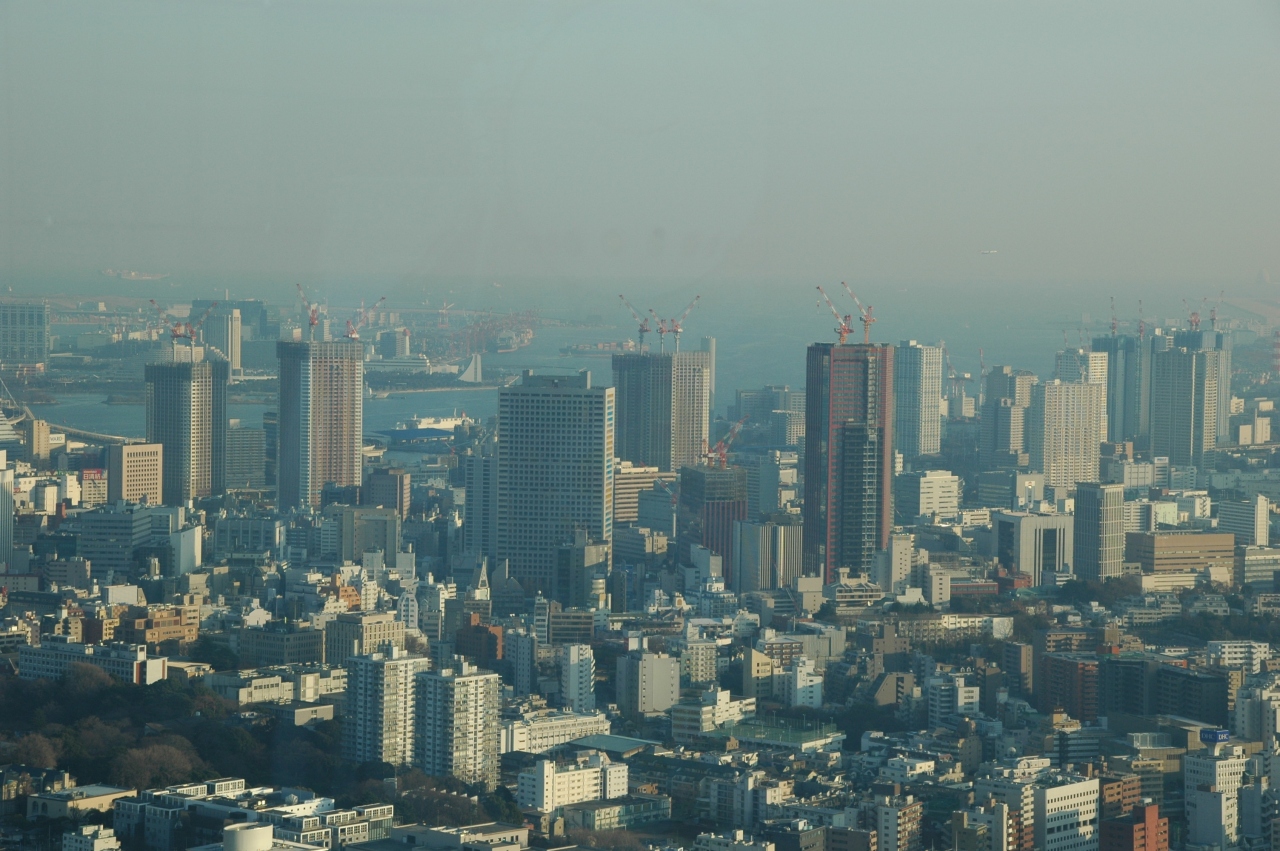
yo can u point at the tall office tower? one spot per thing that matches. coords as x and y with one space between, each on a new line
1249 520
24 333
6 510
135 473
1128 373
578 677
222 331
1099 532
756 404
1184 407
555 470
388 488
457 724
663 407
848 501
379 717
1006 397
1219 343
271 445
628 481
917 397
35 434
321 418
480 480
1081 366
766 555
709 346
712 499
186 414
1062 432
246 458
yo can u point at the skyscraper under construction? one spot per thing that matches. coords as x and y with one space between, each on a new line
848 456
663 404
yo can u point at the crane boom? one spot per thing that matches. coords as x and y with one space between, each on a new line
844 324
866 317
642 322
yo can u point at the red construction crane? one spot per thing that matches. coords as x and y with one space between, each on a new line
313 311
718 455
174 327
1193 316
867 319
642 323
190 329
362 319
844 324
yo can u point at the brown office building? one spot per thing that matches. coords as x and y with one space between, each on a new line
321 418
1141 830
135 472
1167 552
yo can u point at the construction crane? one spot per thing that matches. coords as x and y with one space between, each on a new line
1213 312
661 328
1193 316
190 329
642 322
173 327
362 319
444 313
844 324
677 325
866 318
718 455
982 376
313 311
1142 323
1114 323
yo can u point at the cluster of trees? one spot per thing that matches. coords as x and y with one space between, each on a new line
103 730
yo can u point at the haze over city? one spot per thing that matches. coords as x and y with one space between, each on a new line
639 426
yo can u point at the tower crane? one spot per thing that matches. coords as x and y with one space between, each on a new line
191 329
866 318
362 319
1213 312
718 455
1142 323
173 327
676 326
1114 323
662 330
313 311
642 322
844 324
1193 316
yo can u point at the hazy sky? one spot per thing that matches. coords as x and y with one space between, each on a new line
1130 143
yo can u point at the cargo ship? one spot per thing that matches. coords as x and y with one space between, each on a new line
601 350
427 428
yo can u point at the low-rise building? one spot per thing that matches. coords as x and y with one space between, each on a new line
56 653
549 786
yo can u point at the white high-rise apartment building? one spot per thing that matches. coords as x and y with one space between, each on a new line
1249 655
547 786
1081 366
917 396
578 677
555 471
6 509
647 683
1213 817
457 724
1062 432
950 695
927 492
379 717
1066 812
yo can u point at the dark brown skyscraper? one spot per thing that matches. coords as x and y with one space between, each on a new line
848 500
